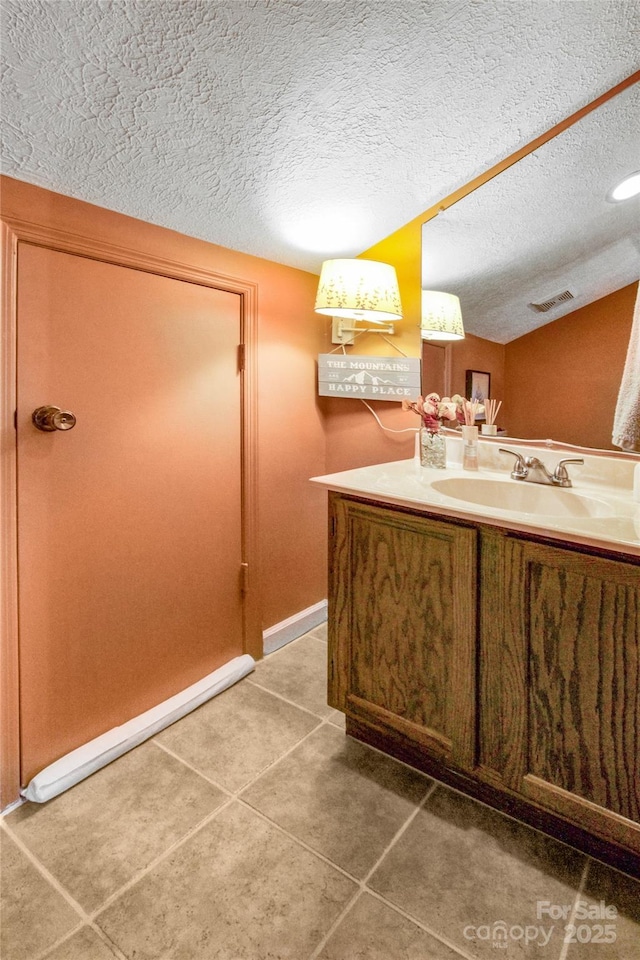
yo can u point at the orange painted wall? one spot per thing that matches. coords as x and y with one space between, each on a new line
476 353
354 439
292 512
570 370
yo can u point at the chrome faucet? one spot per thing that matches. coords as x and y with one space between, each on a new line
534 470
560 476
520 470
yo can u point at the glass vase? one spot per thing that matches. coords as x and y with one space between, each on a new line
433 449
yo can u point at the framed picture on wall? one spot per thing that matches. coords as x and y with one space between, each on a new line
477 385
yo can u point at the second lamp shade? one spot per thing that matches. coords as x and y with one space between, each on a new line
441 316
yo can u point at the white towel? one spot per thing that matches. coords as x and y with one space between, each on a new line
626 423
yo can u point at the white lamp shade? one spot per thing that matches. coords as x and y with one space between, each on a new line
441 316
359 290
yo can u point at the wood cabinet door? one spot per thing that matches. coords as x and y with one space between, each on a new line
402 614
572 638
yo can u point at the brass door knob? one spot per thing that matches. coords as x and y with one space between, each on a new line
53 418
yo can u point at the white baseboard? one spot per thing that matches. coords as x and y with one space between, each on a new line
12 806
293 627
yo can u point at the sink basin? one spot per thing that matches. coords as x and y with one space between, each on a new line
522 497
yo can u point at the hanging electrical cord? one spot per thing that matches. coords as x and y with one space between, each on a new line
391 344
370 409
381 424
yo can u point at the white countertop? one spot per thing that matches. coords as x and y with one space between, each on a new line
406 483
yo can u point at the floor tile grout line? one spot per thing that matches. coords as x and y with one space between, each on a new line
233 794
431 788
47 951
487 806
336 923
214 783
322 723
280 696
203 823
364 888
446 786
107 939
158 860
230 798
299 842
421 924
460 951
89 917
115 949
360 884
564 950
48 876
273 763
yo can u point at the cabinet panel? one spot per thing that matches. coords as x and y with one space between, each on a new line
404 607
503 675
580 623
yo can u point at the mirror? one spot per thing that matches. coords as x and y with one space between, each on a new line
546 269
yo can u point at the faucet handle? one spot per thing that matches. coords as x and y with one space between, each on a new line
560 475
520 468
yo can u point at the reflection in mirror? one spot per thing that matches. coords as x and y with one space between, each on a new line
547 269
434 360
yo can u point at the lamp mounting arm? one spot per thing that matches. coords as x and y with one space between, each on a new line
343 332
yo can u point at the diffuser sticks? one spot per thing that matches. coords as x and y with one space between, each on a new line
491 408
470 409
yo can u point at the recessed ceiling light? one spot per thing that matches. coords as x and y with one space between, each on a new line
629 187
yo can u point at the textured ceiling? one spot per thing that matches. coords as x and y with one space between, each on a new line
542 227
292 129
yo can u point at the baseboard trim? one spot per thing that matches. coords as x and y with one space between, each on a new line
293 627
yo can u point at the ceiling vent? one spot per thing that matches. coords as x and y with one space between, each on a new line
551 302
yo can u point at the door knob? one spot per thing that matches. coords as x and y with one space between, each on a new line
53 418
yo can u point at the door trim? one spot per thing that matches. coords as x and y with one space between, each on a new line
14 232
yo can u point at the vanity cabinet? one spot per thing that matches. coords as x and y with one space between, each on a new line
502 664
402 636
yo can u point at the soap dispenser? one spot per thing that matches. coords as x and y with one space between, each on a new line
470 448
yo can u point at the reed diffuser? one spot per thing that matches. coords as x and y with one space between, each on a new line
470 411
470 435
491 408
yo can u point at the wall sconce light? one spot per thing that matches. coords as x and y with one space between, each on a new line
358 290
441 316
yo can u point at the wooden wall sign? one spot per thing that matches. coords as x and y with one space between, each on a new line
368 377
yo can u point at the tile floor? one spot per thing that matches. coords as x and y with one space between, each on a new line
253 829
